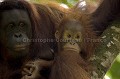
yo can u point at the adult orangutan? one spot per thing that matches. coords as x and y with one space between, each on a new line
21 24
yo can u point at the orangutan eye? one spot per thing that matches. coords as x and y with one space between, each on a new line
11 25
21 24
77 37
69 36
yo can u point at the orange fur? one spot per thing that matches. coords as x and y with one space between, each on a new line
69 64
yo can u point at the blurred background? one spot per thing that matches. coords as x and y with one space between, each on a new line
89 6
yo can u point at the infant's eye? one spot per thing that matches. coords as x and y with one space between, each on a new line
68 35
77 37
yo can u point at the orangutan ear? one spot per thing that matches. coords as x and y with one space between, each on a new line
57 34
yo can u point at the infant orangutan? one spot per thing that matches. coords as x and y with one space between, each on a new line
72 35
